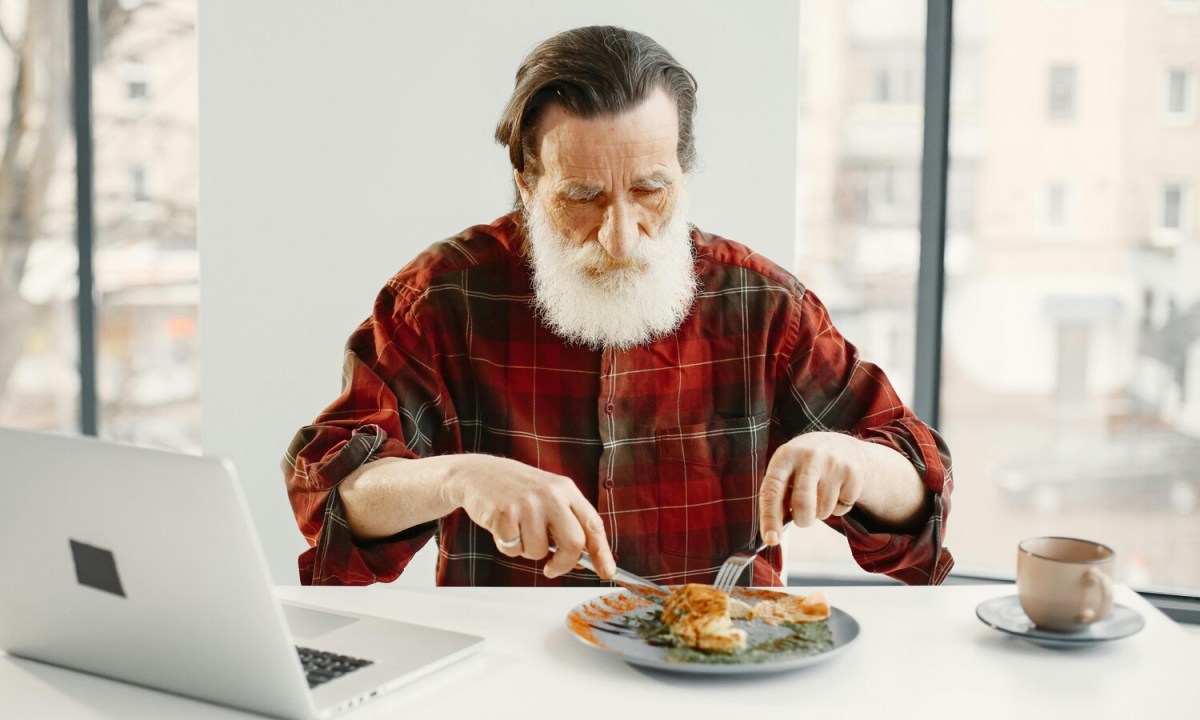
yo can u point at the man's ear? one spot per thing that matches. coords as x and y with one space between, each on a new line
522 187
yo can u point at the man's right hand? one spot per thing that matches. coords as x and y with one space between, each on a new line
518 502
511 500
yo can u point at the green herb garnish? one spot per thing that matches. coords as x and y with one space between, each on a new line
783 640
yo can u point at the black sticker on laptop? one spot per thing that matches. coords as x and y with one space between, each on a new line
96 568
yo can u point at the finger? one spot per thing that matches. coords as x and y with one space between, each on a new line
535 542
848 495
569 540
506 531
804 494
829 488
594 538
771 497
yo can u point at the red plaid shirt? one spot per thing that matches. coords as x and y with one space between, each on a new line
668 441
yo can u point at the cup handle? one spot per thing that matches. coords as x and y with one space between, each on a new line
1094 578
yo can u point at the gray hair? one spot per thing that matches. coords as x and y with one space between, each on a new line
592 72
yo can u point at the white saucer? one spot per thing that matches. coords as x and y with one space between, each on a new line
1005 614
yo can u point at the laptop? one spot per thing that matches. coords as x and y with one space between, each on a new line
143 565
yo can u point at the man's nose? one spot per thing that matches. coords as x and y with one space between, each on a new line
619 233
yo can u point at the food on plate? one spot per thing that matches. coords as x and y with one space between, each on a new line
700 624
701 616
813 607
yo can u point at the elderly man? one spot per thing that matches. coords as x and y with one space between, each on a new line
591 373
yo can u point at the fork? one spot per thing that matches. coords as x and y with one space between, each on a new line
736 564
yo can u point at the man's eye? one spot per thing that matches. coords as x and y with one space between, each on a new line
648 190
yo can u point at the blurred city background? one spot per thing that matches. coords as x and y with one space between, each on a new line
1071 342
1070 390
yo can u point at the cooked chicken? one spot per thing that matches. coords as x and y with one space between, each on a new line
794 609
739 610
700 616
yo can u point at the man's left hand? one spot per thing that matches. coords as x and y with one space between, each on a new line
826 474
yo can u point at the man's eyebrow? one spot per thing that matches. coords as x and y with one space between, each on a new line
579 191
655 181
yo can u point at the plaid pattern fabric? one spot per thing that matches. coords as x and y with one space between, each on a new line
668 441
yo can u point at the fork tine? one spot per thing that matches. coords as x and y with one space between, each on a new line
722 581
733 567
729 576
731 570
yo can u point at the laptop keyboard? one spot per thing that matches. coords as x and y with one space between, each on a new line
321 666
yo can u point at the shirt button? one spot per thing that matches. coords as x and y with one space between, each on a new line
609 408
608 483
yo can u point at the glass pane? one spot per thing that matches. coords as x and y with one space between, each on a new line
1172 207
147 267
1177 86
1062 92
859 191
39 337
1071 369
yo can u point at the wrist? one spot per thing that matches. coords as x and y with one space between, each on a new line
458 472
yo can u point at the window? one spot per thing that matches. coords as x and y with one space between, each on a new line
138 90
1057 217
893 79
147 265
1056 206
39 335
882 86
146 354
137 184
859 190
137 82
1062 92
1068 388
1179 93
1172 207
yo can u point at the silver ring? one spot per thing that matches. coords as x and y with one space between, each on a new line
509 544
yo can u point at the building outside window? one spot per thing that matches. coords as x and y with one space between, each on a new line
1068 392
145 259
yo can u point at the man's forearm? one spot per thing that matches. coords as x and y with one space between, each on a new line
893 494
390 495
528 511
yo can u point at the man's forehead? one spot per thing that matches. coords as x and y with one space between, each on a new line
642 140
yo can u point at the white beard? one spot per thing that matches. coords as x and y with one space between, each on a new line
586 297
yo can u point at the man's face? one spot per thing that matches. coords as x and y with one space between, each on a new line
607 225
609 180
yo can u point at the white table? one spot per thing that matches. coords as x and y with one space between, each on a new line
922 653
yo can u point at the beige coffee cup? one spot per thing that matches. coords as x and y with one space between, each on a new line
1065 584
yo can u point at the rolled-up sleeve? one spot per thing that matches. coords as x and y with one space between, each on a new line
392 404
830 388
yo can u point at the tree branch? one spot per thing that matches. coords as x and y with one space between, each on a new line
7 40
